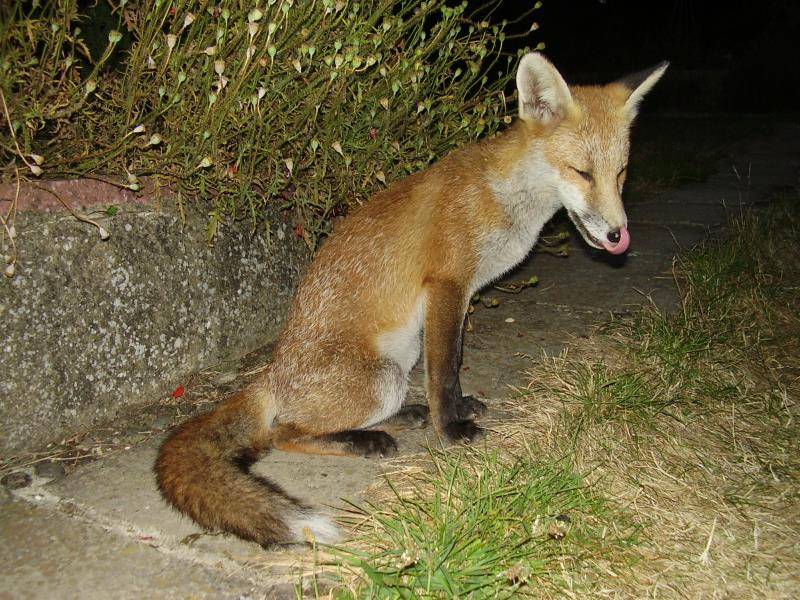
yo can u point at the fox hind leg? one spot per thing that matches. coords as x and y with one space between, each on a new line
355 442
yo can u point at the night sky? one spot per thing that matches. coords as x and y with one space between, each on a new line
726 56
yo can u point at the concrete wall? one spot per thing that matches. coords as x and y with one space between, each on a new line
91 325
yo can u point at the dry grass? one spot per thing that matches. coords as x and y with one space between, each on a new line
715 491
690 420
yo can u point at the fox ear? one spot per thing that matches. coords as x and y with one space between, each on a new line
638 84
544 96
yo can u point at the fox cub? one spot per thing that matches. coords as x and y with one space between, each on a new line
405 263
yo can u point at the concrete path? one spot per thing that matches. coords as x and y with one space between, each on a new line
103 532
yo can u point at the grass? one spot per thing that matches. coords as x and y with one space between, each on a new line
483 524
667 444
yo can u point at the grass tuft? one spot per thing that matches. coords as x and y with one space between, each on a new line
482 523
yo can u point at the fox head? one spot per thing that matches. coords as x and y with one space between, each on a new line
584 133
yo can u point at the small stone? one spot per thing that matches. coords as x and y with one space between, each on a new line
50 469
16 480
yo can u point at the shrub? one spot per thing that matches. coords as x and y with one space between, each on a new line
303 105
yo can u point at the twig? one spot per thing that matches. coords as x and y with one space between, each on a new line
705 556
104 234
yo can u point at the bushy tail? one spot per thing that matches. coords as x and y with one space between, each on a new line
203 470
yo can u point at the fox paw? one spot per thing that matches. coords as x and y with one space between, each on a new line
369 443
463 431
468 408
412 416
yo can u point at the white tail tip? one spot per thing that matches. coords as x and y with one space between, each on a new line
313 527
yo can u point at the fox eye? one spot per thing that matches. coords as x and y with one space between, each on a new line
585 174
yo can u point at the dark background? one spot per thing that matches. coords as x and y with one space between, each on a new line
740 56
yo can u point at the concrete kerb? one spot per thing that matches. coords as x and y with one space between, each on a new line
92 325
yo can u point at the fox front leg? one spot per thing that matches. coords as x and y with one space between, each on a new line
469 407
452 414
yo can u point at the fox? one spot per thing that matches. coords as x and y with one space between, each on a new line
393 282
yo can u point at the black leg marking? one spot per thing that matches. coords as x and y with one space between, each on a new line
365 443
459 410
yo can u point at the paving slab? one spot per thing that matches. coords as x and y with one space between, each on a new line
103 531
48 554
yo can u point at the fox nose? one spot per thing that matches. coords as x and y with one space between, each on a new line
614 236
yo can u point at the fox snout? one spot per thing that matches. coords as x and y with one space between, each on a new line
598 233
618 241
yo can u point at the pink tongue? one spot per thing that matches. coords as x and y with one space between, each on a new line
621 245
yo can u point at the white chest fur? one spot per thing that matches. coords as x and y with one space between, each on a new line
529 197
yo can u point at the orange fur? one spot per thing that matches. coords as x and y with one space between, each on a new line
406 262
